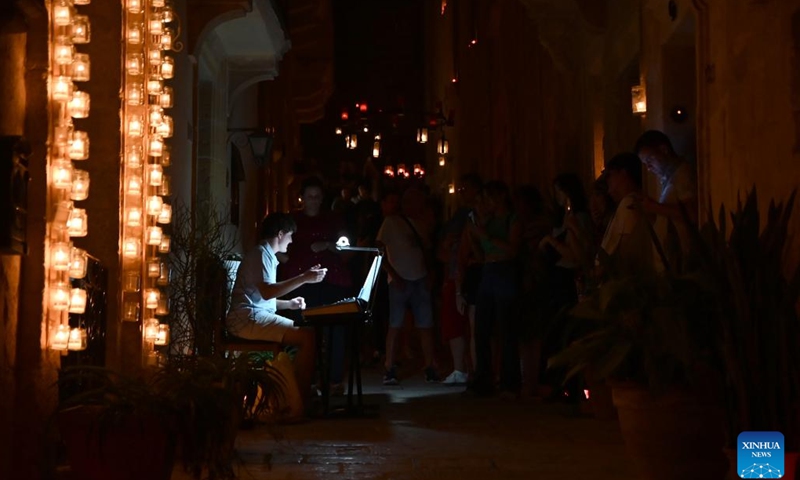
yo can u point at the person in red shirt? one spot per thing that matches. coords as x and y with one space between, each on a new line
314 243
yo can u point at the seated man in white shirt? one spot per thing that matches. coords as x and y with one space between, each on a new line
254 301
627 238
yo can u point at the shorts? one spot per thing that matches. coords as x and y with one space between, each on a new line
454 324
471 282
258 325
417 296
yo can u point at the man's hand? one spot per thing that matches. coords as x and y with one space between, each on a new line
297 303
314 274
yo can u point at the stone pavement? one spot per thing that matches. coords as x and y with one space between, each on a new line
425 431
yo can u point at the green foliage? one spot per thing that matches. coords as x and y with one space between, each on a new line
200 401
757 295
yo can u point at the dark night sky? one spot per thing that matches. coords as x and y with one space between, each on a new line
378 55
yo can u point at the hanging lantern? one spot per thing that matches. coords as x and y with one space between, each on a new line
165 98
165 215
167 67
79 145
77 339
78 106
155 174
63 51
422 135
77 300
154 203
451 189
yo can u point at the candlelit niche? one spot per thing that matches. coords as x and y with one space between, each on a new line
638 100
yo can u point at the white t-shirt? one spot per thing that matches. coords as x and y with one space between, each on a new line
402 247
258 266
627 236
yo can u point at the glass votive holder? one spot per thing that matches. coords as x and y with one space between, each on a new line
78 106
80 185
130 282
163 247
81 31
130 311
81 67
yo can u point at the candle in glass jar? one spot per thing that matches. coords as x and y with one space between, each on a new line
77 225
59 297
79 145
167 67
77 263
77 300
154 235
134 217
78 106
151 297
80 29
155 174
135 94
60 337
80 185
134 33
135 126
62 174
133 156
63 51
77 339
162 336
62 89
81 67
165 216
154 204
60 253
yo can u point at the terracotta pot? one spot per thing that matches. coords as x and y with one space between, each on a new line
126 448
675 435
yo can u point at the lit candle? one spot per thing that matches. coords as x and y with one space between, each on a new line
134 63
134 185
338 131
60 338
134 6
155 25
153 268
165 127
162 336
78 261
62 174
417 168
167 14
366 129
164 246
165 156
154 85
376 149
442 161
135 126
422 135
165 99
134 33
80 185
154 204
167 67
130 248
77 339
62 13
134 217
150 328
63 51
155 174
163 275
156 146
79 145
401 169
135 94
154 235
164 189
130 311
78 106
62 89
60 253
77 300
59 297
80 29
165 215
154 56
388 171
156 116
165 40
133 156
151 297
451 188
81 67
77 225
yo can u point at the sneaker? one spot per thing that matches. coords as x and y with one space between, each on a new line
431 376
455 379
390 377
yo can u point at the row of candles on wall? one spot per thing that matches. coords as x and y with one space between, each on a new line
69 30
145 156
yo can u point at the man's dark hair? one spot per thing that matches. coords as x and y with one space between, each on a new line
472 179
653 139
275 223
628 163
311 182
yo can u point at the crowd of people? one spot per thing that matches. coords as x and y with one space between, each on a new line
488 283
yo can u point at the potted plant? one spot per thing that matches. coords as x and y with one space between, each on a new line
757 293
122 427
650 337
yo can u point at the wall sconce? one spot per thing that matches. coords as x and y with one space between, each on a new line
261 144
638 99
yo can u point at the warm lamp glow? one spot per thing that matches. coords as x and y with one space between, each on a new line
134 185
154 204
62 174
154 85
78 223
443 146
151 297
638 99
134 6
165 215
165 40
164 246
153 268
80 29
80 185
134 33
422 135
130 248
156 146
165 128
62 13
451 189
59 297
81 67
155 174
135 94
78 106
134 64
62 89
150 328
338 131
79 145
77 300
77 263
60 254
388 171
77 339
376 149
162 336
63 51
165 99
154 235
134 217
155 25
167 67
135 126
442 161
60 338
133 156
154 56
